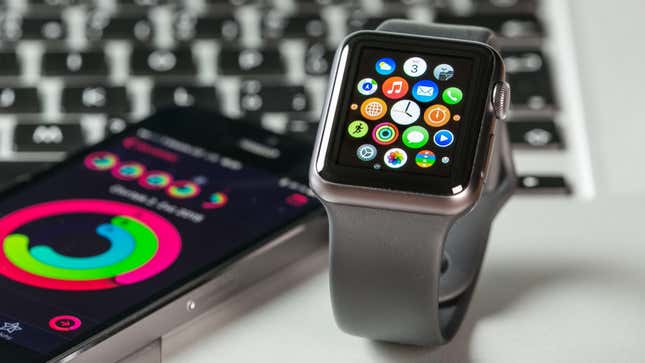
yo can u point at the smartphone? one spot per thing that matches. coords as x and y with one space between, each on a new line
119 244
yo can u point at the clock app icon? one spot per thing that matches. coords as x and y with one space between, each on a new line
405 112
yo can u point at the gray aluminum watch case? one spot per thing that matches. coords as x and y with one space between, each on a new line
454 205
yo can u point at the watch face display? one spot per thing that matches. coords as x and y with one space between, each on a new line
409 113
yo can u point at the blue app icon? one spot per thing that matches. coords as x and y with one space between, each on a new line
443 138
425 91
385 66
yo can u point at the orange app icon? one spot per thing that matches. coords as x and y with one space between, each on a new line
373 108
437 115
395 88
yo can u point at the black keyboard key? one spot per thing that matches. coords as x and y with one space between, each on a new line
531 91
116 124
202 96
359 20
535 134
542 184
309 4
10 171
188 27
251 62
506 6
9 65
505 25
302 127
20 100
529 74
103 26
141 3
162 62
54 4
48 137
36 27
85 64
277 26
318 59
228 3
95 99
258 97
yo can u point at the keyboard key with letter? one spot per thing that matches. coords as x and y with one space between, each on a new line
163 62
20 100
184 96
85 64
256 96
251 62
95 99
62 137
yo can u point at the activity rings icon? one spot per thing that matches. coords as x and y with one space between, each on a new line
142 245
132 170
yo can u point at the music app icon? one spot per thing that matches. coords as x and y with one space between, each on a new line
395 88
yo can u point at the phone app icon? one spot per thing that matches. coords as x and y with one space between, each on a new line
156 180
366 152
444 72
385 66
425 91
357 129
395 158
452 95
373 108
385 133
183 189
415 137
65 323
215 201
367 86
444 138
101 160
405 112
415 66
425 159
128 170
395 88
436 115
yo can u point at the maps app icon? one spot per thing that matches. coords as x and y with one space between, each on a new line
444 72
367 86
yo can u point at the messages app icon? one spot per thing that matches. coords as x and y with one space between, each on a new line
385 66
425 91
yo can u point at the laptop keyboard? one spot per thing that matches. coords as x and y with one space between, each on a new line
72 71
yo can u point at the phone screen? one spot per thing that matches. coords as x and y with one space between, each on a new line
125 223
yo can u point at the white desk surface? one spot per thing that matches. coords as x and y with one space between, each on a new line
562 282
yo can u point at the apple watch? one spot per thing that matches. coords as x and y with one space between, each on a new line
412 163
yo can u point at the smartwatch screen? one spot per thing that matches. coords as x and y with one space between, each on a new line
409 113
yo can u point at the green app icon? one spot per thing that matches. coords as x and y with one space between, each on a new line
452 95
357 129
415 137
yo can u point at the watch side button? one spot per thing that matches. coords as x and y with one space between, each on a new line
501 99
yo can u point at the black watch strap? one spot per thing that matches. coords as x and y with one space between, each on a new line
386 266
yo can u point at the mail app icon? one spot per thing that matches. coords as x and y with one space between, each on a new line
425 91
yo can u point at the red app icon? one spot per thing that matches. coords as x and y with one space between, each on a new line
296 200
395 88
65 323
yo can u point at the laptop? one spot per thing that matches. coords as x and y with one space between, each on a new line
562 270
